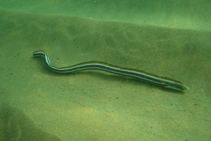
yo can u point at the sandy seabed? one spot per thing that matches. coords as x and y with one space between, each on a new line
37 104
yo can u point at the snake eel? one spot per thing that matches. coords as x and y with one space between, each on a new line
160 81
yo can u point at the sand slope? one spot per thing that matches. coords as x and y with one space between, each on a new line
94 105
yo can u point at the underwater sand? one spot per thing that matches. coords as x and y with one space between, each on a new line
159 38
